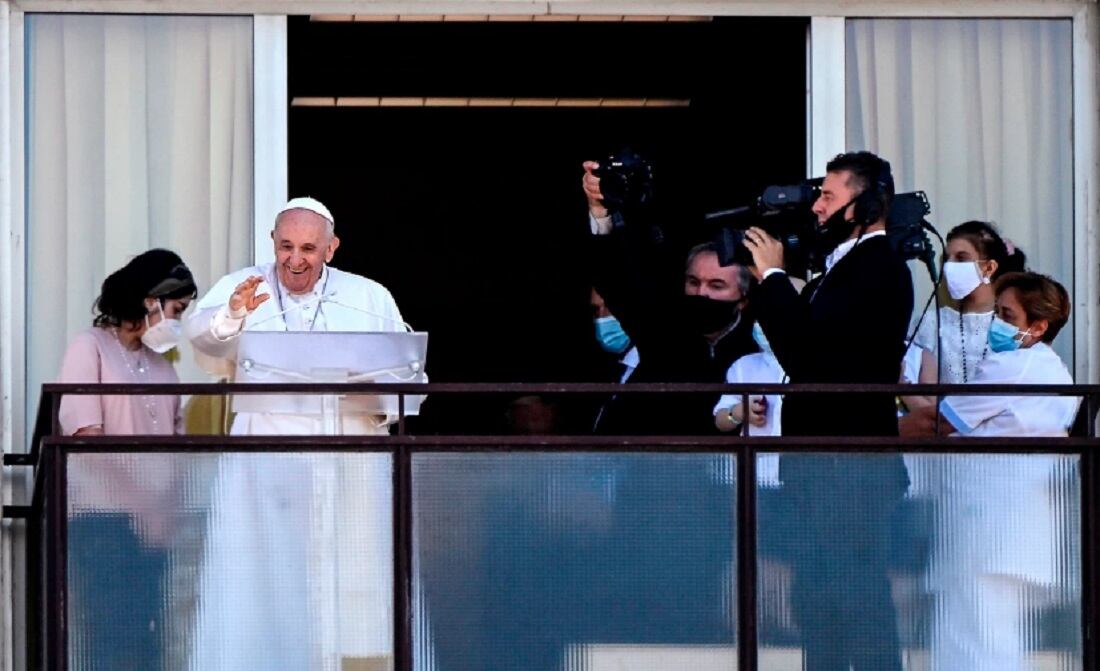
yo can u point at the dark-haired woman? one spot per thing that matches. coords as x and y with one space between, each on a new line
121 504
998 515
976 256
137 321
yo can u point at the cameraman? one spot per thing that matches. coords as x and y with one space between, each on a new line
848 326
686 330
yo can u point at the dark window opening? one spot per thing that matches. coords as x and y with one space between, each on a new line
474 217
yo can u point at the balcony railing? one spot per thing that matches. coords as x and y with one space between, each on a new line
552 551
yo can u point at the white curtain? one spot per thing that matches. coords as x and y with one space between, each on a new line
978 114
139 136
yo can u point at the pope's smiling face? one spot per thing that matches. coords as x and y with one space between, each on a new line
304 243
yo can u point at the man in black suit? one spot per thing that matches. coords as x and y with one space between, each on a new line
847 326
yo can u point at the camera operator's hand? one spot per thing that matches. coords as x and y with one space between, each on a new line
767 252
591 185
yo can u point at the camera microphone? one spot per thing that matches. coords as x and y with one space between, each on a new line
776 197
735 212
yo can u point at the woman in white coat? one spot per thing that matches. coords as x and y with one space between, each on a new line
997 515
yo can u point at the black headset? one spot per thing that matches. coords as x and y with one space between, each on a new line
870 205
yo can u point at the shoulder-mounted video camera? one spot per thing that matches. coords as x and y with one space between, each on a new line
784 213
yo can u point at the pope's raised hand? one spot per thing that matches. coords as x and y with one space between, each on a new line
244 299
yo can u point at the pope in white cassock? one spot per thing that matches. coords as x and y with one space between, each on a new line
297 569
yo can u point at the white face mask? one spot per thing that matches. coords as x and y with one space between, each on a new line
164 335
963 277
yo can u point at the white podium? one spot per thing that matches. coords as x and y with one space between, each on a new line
301 356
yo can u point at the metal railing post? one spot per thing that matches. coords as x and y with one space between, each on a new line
402 559
747 607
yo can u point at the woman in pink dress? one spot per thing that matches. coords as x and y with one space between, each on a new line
137 321
121 505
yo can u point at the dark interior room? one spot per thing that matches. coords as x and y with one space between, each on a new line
474 217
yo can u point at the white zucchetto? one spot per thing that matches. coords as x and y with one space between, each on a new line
307 203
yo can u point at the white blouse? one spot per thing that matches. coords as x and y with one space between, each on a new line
965 340
998 511
1029 415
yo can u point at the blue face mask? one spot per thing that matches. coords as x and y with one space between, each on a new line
760 338
611 335
1004 337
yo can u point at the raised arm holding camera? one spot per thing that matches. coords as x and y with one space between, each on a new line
847 326
686 329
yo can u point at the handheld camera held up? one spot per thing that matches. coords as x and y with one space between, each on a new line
626 181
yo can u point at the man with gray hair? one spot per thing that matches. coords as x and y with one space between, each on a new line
299 291
292 576
687 333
